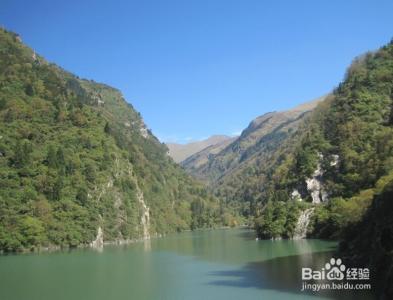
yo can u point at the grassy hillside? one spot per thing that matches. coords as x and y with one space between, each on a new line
75 156
200 158
181 152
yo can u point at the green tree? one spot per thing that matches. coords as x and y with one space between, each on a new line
51 157
82 195
33 231
22 154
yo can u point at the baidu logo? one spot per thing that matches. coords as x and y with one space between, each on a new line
336 269
335 275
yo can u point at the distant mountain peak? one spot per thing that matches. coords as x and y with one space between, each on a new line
263 134
180 152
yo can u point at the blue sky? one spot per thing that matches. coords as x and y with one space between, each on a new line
203 67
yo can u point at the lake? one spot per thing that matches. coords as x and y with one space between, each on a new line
211 264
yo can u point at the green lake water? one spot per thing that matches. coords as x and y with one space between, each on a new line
214 264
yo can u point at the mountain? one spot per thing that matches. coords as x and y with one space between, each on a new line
370 242
78 165
333 178
342 153
263 135
202 157
260 139
180 152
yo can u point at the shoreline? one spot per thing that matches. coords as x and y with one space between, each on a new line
58 248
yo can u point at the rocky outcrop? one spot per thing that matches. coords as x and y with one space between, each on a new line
315 182
315 186
145 210
335 160
295 195
302 224
145 217
122 171
144 132
99 241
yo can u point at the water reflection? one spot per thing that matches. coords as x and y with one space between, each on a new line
217 264
235 246
282 274
147 245
98 249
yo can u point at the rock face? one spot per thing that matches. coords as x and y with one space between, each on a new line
144 132
99 241
145 217
295 195
302 224
314 184
335 160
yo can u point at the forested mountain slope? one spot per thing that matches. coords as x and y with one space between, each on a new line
370 242
76 158
263 134
337 166
199 159
343 152
236 172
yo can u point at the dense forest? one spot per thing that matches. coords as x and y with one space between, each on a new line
345 147
338 167
75 157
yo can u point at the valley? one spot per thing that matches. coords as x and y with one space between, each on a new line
321 170
80 168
